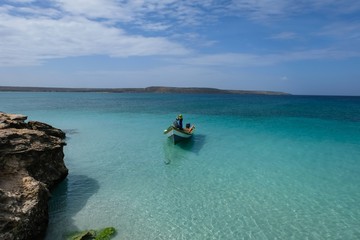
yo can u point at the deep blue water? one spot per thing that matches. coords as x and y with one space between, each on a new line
258 167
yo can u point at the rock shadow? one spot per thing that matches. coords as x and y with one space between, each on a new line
70 132
68 198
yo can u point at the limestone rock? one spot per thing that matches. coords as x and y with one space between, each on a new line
31 163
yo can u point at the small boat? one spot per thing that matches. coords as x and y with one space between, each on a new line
177 135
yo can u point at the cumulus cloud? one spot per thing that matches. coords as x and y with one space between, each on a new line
32 39
33 31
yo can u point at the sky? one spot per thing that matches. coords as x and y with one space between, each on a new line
309 47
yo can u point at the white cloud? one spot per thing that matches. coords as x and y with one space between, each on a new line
29 12
270 10
65 28
149 13
108 9
21 1
261 9
155 26
251 60
342 30
32 33
284 36
228 59
194 39
29 42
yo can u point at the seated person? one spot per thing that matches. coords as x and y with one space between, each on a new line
179 122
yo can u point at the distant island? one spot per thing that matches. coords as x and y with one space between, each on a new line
155 89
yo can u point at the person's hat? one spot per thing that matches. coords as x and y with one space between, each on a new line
180 116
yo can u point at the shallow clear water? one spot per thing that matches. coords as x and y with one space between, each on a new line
258 167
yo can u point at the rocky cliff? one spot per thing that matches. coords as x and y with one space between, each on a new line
31 164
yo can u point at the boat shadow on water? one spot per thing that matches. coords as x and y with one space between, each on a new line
182 149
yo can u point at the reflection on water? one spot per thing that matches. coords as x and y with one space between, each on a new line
180 150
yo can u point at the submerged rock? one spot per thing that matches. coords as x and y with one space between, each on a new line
103 234
31 164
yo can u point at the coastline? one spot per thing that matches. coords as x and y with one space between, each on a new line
152 89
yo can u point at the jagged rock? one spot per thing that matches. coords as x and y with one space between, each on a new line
12 120
49 130
31 163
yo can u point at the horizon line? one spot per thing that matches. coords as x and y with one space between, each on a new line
156 89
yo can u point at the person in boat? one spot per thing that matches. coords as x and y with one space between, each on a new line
179 122
188 128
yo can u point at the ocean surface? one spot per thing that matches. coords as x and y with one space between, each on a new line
258 167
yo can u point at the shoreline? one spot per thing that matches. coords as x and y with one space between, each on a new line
153 89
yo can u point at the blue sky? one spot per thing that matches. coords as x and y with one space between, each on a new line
295 46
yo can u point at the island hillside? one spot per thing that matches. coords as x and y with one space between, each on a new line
154 89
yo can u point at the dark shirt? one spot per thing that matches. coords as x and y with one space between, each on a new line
178 123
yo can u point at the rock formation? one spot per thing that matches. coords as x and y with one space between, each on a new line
31 164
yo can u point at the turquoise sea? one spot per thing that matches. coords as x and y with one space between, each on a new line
258 167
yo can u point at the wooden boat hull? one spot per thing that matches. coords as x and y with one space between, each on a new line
177 135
